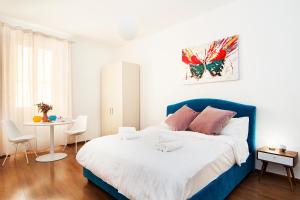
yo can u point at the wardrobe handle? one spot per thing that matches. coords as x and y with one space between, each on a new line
111 111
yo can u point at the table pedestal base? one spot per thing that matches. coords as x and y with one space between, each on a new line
51 157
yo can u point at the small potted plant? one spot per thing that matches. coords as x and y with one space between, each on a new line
44 108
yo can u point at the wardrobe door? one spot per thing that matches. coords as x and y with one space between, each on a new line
105 102
131 95
115 93
111 99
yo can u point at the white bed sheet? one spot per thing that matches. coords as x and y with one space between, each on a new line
141 172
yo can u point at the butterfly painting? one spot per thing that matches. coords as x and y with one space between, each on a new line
215 61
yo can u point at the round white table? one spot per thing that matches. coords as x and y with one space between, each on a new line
52 156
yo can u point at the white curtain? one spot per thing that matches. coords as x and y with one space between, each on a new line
33 68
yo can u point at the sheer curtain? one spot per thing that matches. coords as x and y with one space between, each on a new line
33 68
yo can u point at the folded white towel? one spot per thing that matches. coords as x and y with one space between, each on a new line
168 146
129 136
127 130
166 138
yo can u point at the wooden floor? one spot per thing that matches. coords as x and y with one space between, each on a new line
63 180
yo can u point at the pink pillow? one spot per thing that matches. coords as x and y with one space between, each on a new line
211 120
181 119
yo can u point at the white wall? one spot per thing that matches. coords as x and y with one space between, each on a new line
87 59
269 70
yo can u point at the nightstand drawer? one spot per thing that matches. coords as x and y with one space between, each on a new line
275 158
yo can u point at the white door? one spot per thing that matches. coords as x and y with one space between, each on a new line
111 98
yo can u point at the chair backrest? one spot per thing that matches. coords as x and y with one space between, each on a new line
10 129
80 124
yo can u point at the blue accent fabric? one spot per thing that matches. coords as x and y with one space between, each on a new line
103 185
221 187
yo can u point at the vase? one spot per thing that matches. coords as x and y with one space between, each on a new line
45 117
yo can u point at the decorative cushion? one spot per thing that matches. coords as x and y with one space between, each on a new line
181 119
211 120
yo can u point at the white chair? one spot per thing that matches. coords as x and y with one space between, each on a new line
78 128
15 137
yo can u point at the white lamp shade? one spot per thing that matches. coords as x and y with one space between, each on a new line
127 28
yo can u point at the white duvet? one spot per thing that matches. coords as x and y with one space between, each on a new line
141 172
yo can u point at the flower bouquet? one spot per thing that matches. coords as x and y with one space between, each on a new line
44 108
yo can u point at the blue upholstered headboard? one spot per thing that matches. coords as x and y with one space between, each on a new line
241 109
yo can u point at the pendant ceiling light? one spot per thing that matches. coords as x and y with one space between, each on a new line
127 28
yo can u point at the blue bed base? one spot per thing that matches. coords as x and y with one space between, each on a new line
221 187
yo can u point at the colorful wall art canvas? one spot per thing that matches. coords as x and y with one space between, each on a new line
215 61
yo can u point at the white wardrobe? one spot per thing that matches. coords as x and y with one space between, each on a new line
120 97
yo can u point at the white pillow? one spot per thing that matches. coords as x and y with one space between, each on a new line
163 124
237 127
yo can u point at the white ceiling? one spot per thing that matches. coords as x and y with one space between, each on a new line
100 19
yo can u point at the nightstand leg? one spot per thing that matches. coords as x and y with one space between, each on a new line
293 176
263 169
289 178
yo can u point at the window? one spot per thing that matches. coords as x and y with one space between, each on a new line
44 76
34 79
23 77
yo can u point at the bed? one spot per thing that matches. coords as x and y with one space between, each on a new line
221 186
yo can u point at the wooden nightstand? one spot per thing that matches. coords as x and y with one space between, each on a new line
287 159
